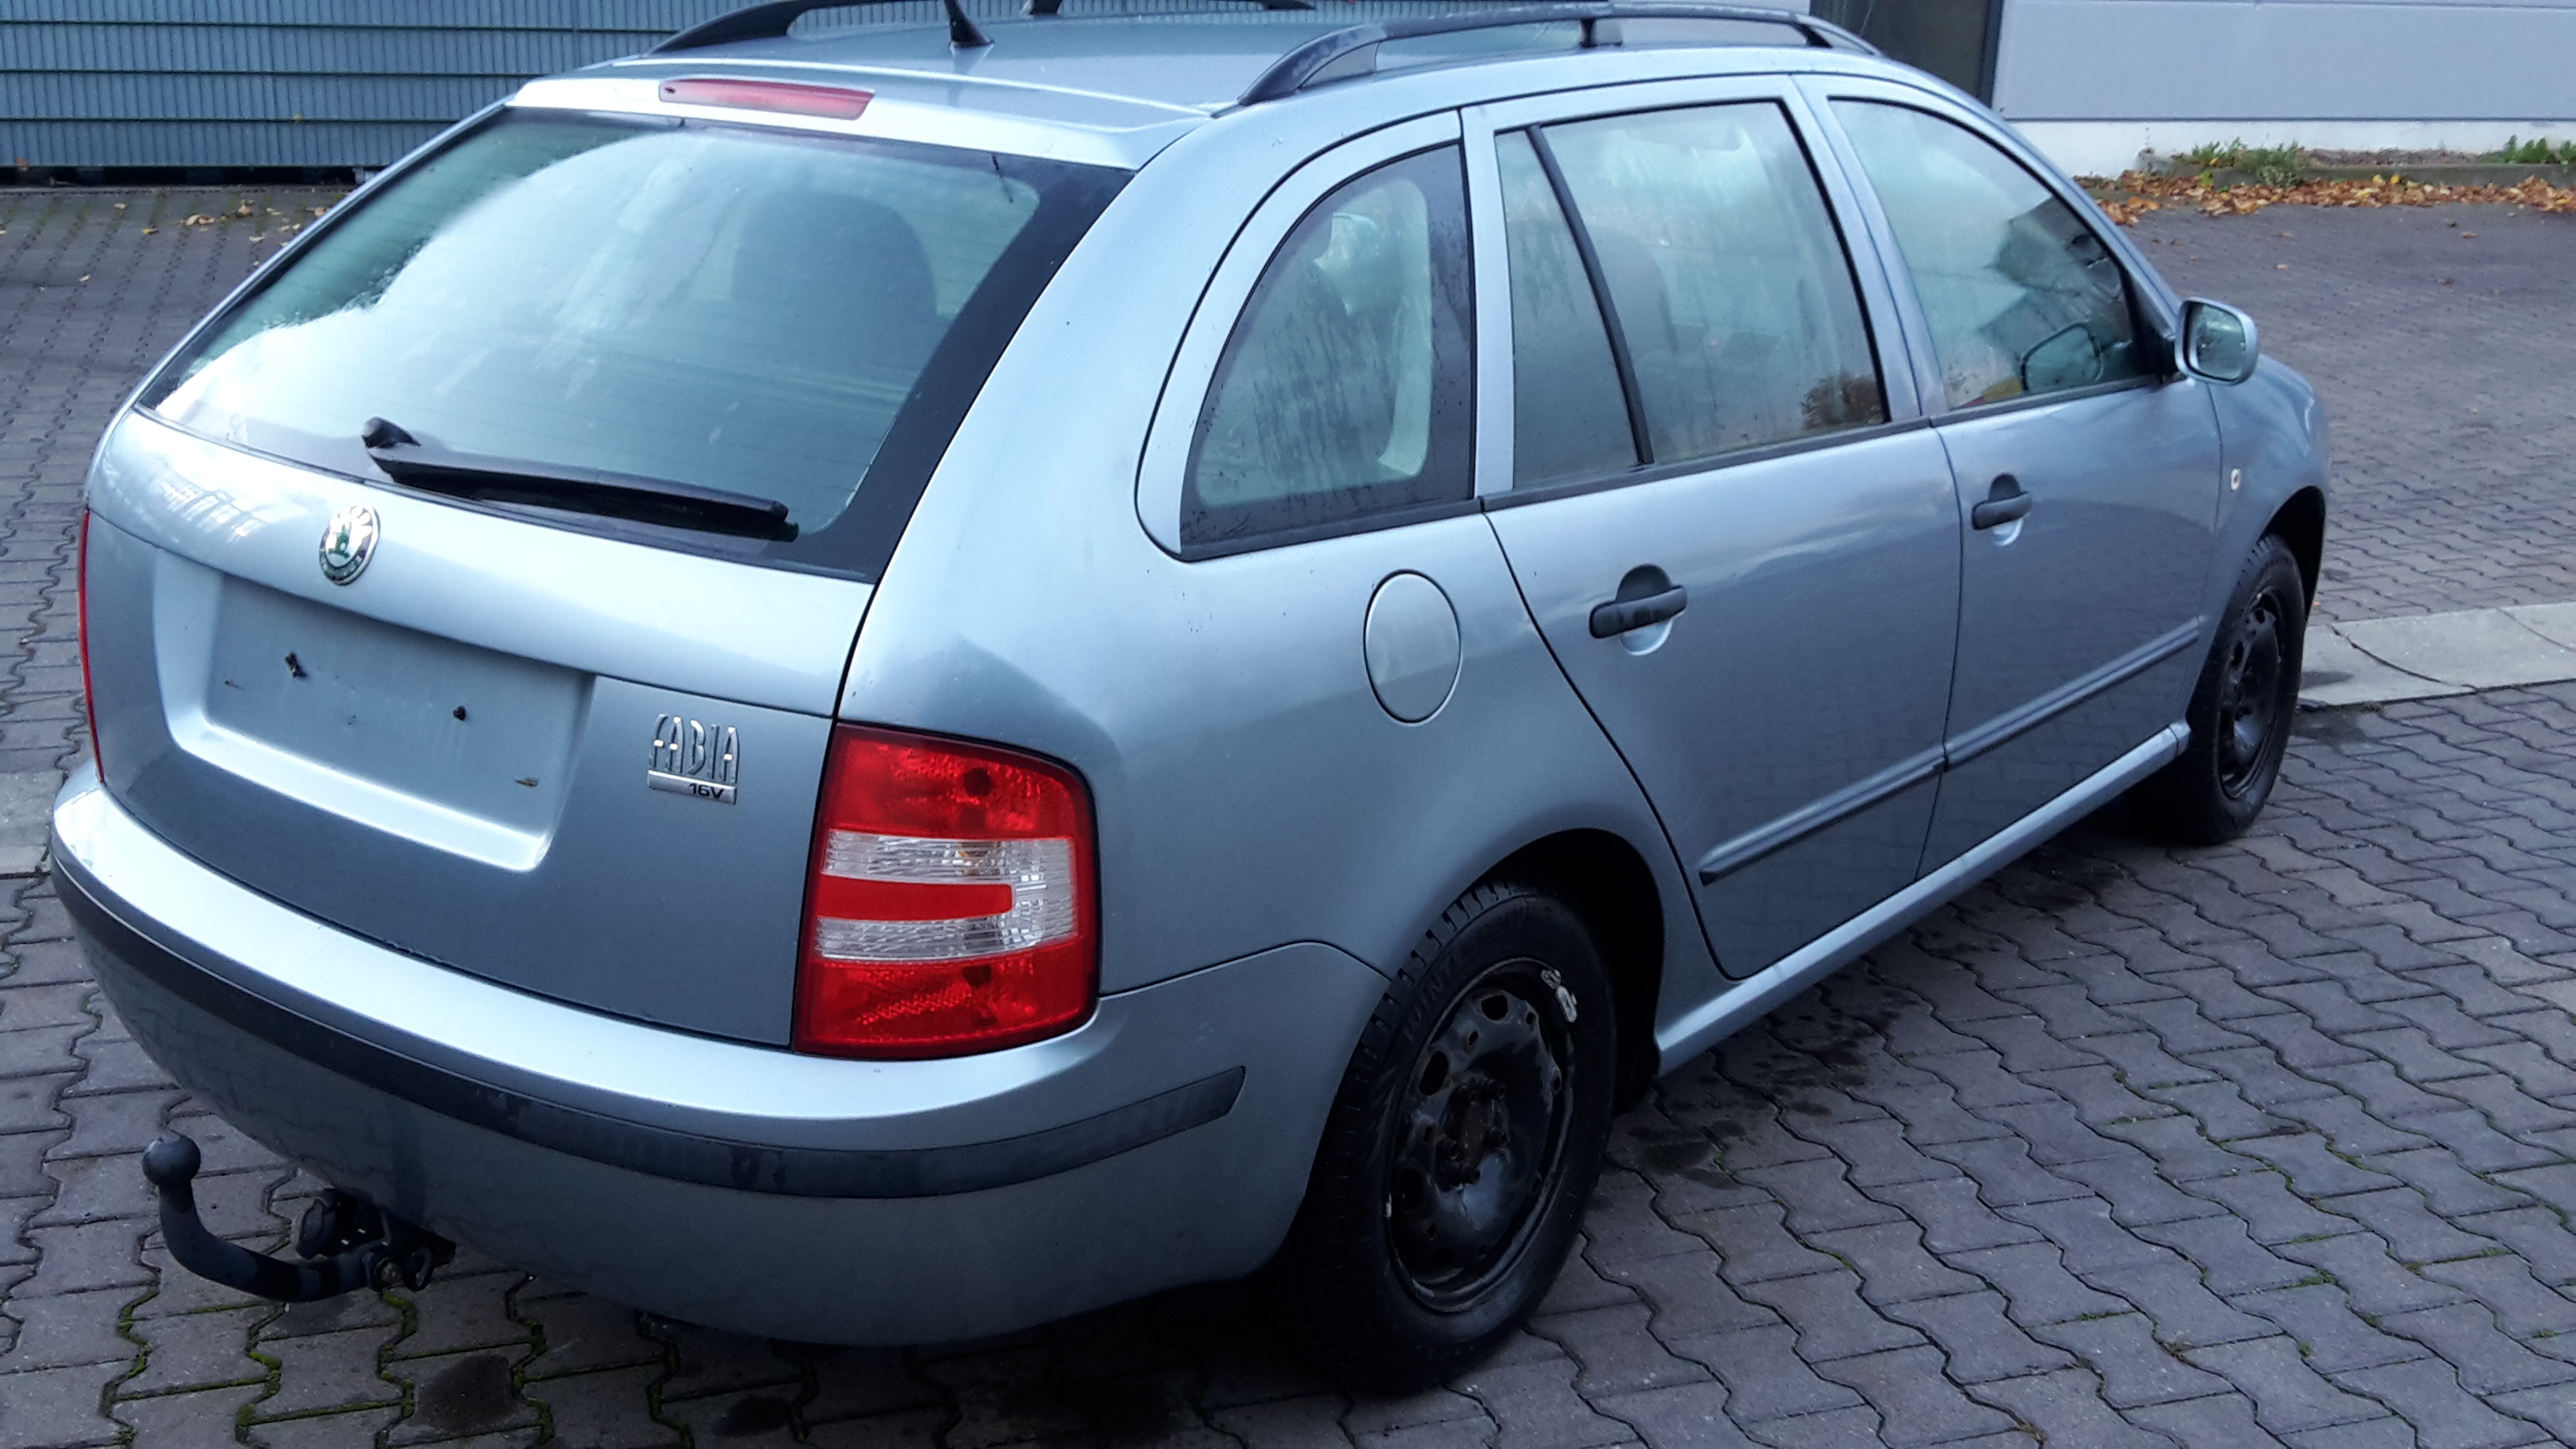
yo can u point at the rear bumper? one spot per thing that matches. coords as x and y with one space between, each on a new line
1166 1141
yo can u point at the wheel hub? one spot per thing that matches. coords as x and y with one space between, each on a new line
1477 1133
2249 695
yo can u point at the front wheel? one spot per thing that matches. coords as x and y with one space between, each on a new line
2242 710
1462 1146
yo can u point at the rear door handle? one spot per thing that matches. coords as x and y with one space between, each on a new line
1620 616
2004 503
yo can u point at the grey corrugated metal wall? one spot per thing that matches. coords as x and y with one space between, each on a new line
285 82
205 83
2093 81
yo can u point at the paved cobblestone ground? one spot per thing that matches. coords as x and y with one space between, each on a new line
2439 340
2268 1143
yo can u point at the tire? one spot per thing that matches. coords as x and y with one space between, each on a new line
1463 1145
2242 710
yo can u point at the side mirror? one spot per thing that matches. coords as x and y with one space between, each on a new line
2218 342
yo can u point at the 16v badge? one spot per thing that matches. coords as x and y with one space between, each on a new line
694 758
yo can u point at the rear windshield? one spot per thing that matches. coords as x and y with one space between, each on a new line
797 318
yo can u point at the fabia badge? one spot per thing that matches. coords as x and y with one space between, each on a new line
690 758
348 541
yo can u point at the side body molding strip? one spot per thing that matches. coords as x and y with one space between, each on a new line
1747 1000
1789 829
1968 744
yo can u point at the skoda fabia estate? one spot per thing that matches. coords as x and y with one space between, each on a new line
876 684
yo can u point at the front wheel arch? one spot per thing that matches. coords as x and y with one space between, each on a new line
2301 523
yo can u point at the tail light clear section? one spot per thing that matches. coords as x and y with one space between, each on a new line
951 908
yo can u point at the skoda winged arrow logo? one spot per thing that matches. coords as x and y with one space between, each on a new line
348 542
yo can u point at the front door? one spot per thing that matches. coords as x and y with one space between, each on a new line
1742 554
2087 467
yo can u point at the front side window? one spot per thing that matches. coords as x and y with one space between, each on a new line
1731 287
725 307
1344 390
2019 294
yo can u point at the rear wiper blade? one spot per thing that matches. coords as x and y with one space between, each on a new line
415 464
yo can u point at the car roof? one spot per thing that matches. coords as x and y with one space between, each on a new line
1191 61
1104 88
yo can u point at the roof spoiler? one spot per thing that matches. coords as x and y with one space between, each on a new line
1331 57
770 20
1051 7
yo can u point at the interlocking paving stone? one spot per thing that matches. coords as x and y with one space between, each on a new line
1617 1350
2065 1408
56 1408
1535 1404
2218 1421
2489 1362
1688 1416
2286 1393
198 1419
2136 1368
1314 1419
1764 1376
2456 400
1915 1403
2299 1110
2427 1394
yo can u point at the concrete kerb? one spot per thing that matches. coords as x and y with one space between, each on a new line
2365 662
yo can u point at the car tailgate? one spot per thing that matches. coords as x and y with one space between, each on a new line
574 764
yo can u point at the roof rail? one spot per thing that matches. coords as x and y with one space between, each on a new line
770 20
1051 7
1322 58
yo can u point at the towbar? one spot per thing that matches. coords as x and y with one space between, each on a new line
347 1242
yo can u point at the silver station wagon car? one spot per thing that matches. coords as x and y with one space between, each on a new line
878 684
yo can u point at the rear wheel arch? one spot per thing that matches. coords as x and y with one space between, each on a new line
1607 883
2301 523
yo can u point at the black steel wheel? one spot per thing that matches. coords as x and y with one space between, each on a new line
2242 710
2253 708
1462 1146
1477 1131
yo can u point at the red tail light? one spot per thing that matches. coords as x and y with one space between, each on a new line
950 908
88 694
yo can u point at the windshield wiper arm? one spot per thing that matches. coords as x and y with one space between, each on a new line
415 464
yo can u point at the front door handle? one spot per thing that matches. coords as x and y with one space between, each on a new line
1621 616
2004 503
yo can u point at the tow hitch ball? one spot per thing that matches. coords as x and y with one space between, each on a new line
347 1242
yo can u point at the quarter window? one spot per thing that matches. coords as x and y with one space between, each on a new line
2020 296
1729 284
1344 390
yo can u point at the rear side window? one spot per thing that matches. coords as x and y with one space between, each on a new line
1730 286
789 317
1344 389
2019 294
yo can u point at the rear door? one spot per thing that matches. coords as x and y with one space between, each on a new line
1722 510
552 711
2087 468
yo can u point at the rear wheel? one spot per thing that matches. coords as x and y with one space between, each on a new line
2241 711
1462 1146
